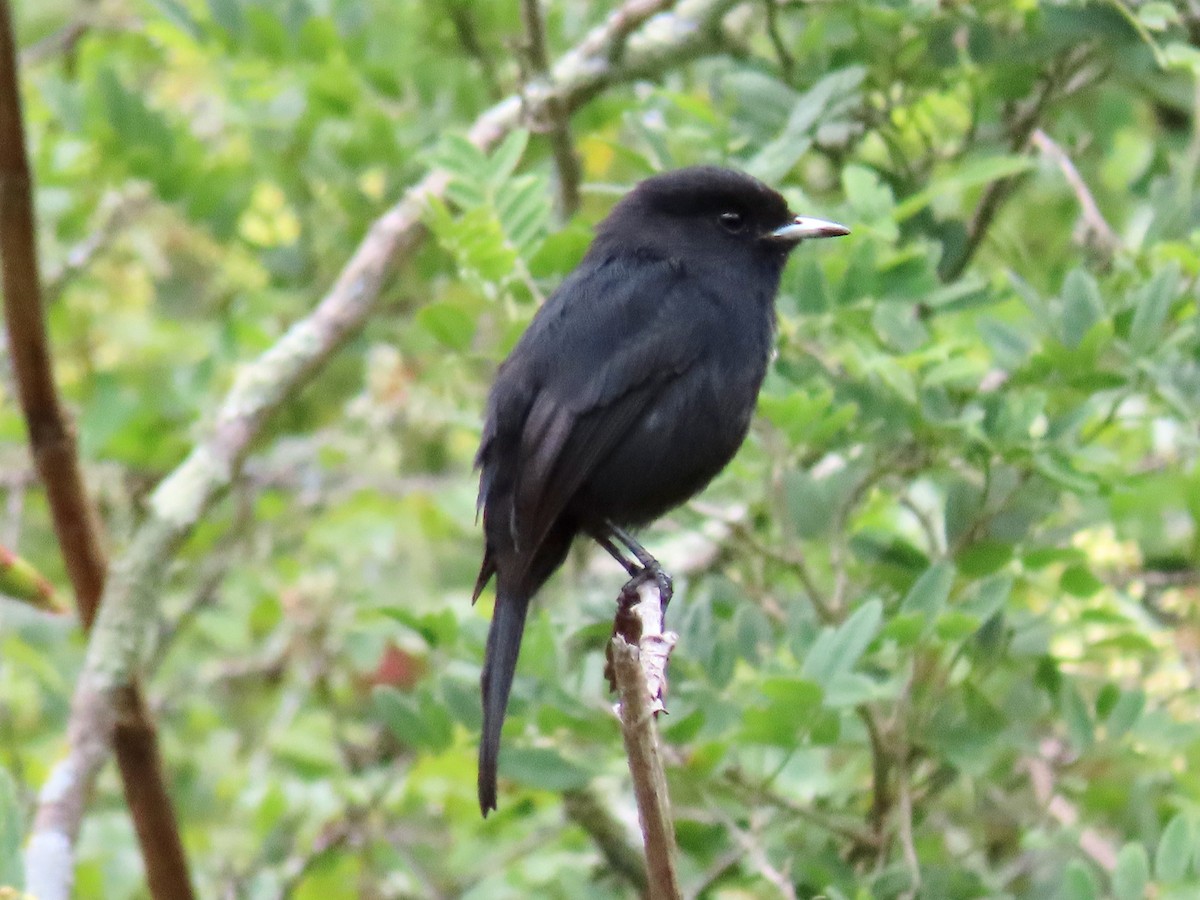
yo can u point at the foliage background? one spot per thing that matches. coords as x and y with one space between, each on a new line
938 625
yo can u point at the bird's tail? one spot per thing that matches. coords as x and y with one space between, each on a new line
499 664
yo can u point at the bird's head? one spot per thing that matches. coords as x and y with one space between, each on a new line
708 212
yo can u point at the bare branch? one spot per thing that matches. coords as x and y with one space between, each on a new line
585 810
1094 228
1069 74
116 215
638 683
558 124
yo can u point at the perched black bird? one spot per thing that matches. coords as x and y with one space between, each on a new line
632 387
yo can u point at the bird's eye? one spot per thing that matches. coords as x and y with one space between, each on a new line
732 222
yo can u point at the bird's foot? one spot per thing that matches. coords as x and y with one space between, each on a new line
641 622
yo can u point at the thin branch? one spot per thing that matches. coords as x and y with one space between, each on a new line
557 122
459 13
756 854
639 704
758 794
264 385
904 799
126 720
117 215
881 803
794 558
787 64
1069 75
58 43
585 810
1095 230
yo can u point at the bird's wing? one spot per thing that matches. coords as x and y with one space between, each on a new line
629 335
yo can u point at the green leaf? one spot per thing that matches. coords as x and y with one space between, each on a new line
1173 857
976 172
227 14
177 13
870 200
523 207
1078 581
447 322
1158 16
417 723
1082 307
983 557
929 594
543 768
989 597
11 871
899 326
1077 717
1131 873
838 649
1125 713
1153 305
1078 883
779 155
507 156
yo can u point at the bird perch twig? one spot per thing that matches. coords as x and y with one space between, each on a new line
639 673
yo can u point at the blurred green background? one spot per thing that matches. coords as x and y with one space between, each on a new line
938 621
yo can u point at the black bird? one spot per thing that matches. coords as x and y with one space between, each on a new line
632 387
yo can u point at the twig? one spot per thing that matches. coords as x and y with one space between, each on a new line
1070 75
757 856
758 795
459 13
182 499
904 800
1095 230
1041 768
639 703
786 63
558 123
117 215
881 803
126 720
795 558
585 810
60 42
726 862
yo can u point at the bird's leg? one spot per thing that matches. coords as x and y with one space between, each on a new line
649 565
632 568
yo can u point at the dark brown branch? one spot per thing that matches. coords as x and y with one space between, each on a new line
51 439
52 443
557 116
